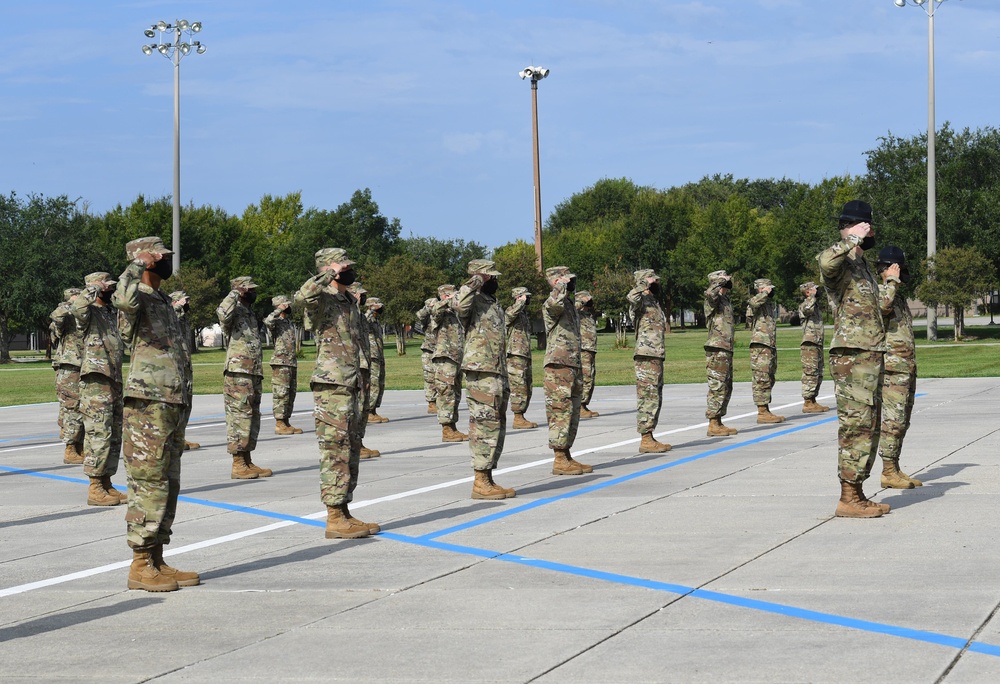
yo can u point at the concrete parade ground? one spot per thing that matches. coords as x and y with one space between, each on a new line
719 561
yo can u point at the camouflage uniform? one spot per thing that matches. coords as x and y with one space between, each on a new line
376 342
811 349
66 361
447 356
763 348
100 378
360 296
563 381
899 384
588 346
427 348
519 351
650 328
719 345
157 394
485 367
284 364
243 376
182 310
336 382
856 355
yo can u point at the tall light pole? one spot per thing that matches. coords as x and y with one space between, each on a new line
929 6
175 51
536 74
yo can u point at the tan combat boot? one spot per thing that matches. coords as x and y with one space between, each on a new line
296 430
717 429
374 417
432 407
649 445
367 453
892 477
450 434
240 469
188 446
339 526
142 574
915 481
281 427
587 413
373 528
521 424
483 487
97 495
261 472
183 579
764 416
853 503
563 464
110 488
810 406
508 492
73 455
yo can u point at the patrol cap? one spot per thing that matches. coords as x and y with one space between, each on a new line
278 300
891 254
445 290
178 295
98 278
70 292
643 275
806 286
356 288
558 272
483 267
762 282
856 211
519 291
718 276
152 244
374 303
242 281
331 255
583 295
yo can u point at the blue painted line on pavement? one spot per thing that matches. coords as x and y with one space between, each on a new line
50 476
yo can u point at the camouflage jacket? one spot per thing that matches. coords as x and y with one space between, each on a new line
562 328
69 351
518 330
186 331
812 321
853 293
719 319
427 323
336 323
900 350
244 353
283 333
376 341
450 336
765 311
159 369
485 329
364 341
650 324
102 344
588 328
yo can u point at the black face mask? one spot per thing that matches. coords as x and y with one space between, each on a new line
347 277
728 285
571 285
362 299
770 295
589 305
868 242
163 268
249 297
654 289
186 307
107 294
904 276
490 286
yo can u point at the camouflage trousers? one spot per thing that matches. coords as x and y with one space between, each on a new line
486 395
649 392
763 366
364 392
68 392
242 393
101 408
338 419
283 387
153 441
857 379
448 388
589 361
519 377
426 358
377 385
899 387
563 393
719 369
812 369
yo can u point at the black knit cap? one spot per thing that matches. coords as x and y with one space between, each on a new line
858 211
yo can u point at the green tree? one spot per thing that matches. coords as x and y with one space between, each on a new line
203 295
402 283
609 289
957 277
451 257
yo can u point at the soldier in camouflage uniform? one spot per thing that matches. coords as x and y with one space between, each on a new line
427 352
284 365
181 306
650 328
376 341
336 387
563 382
856 355
519 357
360 296
811 349
100 387
763 349
243 377
66 361
588 350
447 360
899 384
719 351
484 361
157 396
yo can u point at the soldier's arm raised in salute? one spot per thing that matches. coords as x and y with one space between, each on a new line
227 311
466 297
308 295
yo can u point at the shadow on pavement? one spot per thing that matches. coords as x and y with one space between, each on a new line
308 554
58 516
52 623
445 514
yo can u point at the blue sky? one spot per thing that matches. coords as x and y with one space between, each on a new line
421 102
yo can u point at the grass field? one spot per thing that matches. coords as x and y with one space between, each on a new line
31 381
